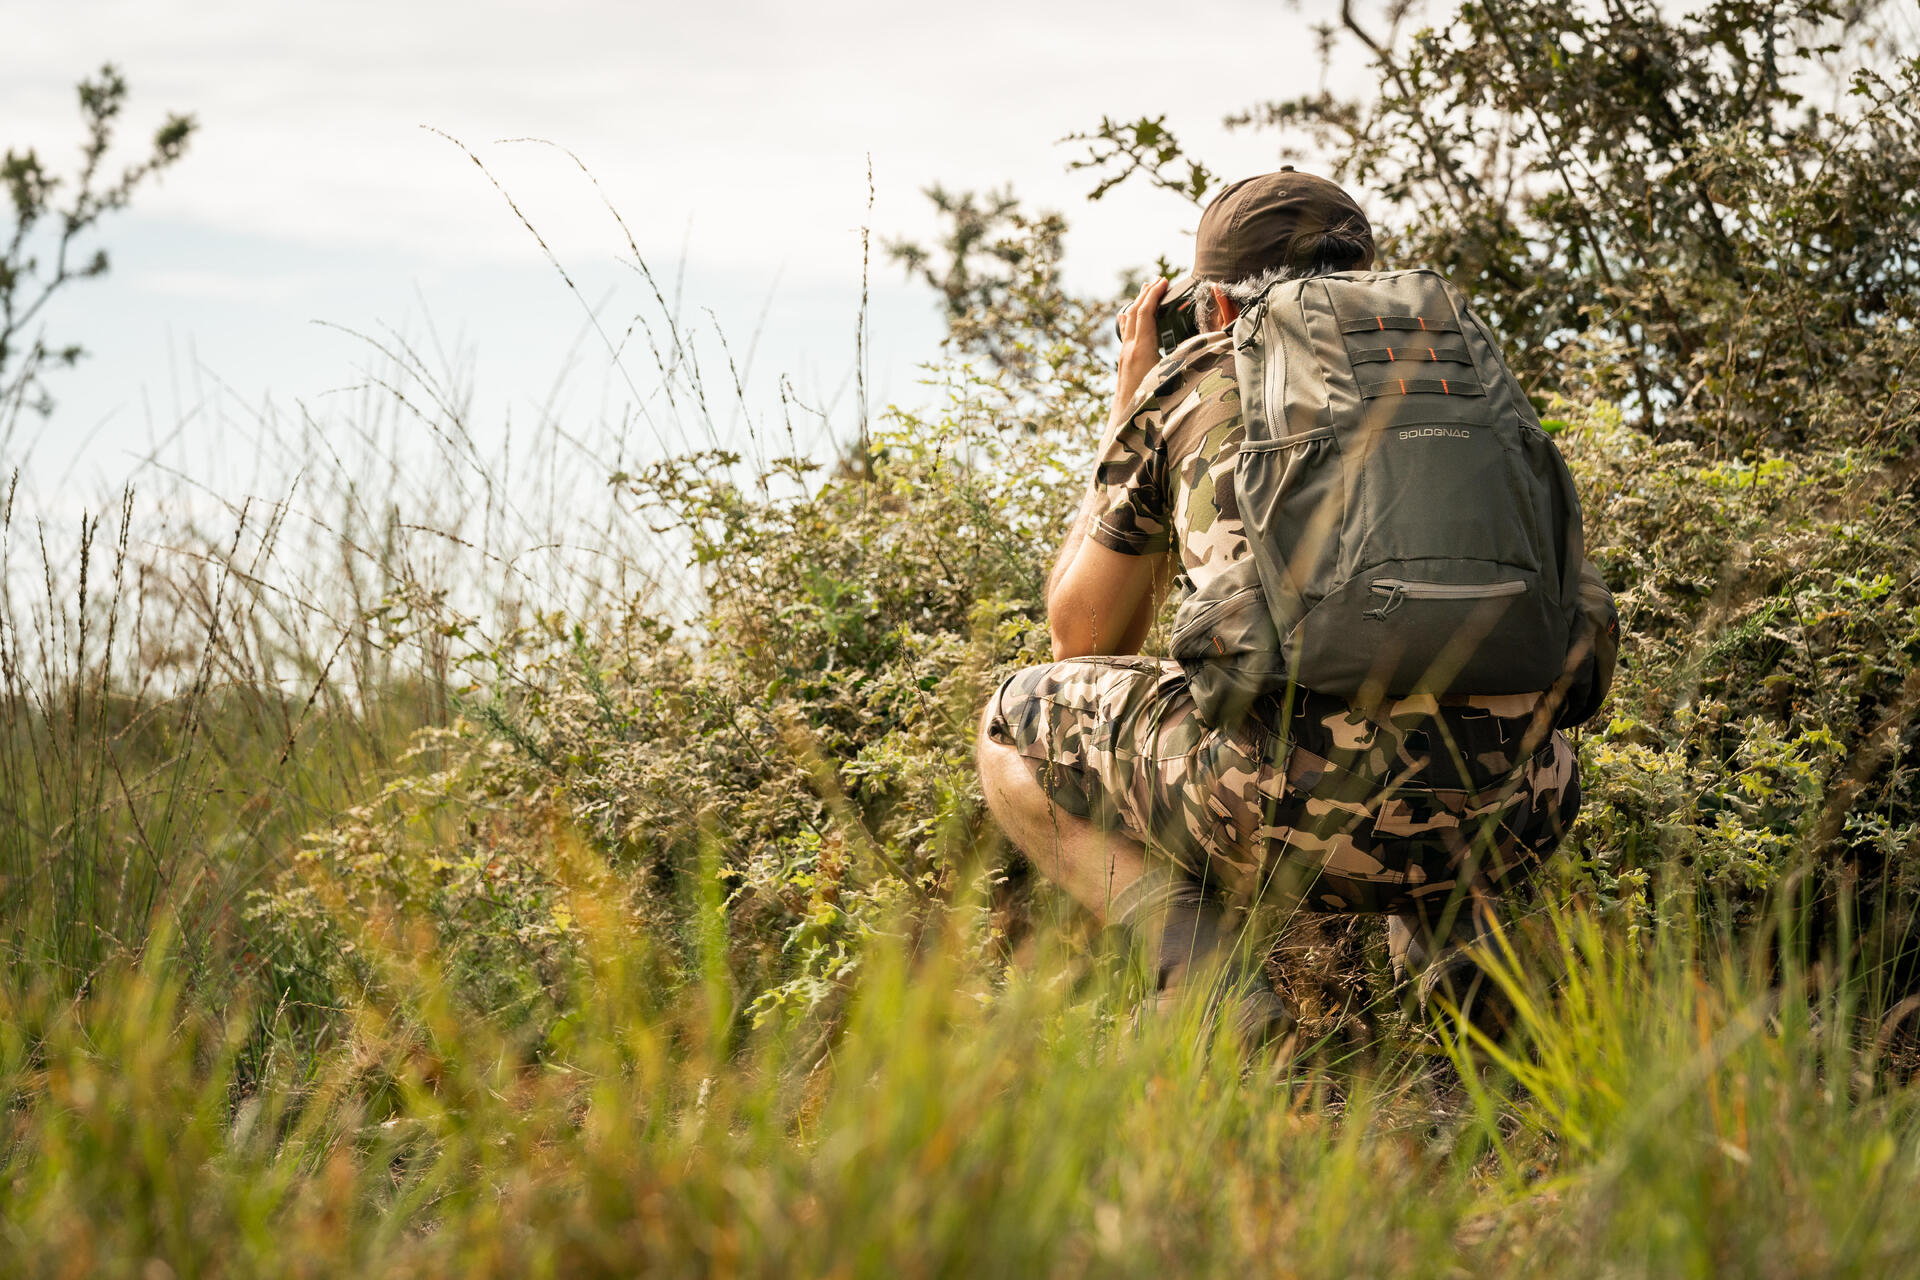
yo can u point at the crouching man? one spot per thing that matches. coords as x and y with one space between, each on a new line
1388 614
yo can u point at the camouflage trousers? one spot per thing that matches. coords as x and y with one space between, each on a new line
1389 809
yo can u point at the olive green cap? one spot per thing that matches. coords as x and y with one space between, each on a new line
1253 224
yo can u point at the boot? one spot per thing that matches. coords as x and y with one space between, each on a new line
1187 938
1443 971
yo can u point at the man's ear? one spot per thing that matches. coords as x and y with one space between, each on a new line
1224 307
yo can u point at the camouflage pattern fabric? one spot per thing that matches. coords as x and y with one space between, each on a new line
1349 810
1166 476
1308 797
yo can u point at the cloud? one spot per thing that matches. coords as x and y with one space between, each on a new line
734 139
228 286
753 121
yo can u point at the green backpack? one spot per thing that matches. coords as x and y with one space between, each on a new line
1413 529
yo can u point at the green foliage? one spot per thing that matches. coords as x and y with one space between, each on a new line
1663 1110
376 928
1146 147
432 849
1763 723
1648 206
997 271
159 743
30 274
810 733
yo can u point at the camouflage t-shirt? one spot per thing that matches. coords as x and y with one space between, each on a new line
1165 478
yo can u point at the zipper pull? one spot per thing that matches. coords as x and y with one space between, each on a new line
1395 592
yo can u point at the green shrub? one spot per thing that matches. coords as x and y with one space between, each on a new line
1763 724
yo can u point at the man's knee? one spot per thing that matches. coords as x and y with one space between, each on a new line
991 750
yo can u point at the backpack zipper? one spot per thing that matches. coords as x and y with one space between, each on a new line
1397 589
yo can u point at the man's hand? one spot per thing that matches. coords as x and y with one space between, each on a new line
1139 342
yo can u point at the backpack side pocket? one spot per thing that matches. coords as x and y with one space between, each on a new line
1224 640
1292 493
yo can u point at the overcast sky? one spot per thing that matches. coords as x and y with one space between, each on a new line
733 137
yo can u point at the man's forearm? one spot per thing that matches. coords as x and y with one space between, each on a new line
1074 591
1077 533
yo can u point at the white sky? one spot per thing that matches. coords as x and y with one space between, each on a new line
741 131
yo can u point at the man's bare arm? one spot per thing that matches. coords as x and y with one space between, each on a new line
1104 601
1101 601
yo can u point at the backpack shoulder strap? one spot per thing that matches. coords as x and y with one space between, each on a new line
1505 397
1275 362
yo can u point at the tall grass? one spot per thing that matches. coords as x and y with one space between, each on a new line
1661 1112
161 743
437 868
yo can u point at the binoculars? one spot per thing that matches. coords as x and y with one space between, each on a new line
1175 322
